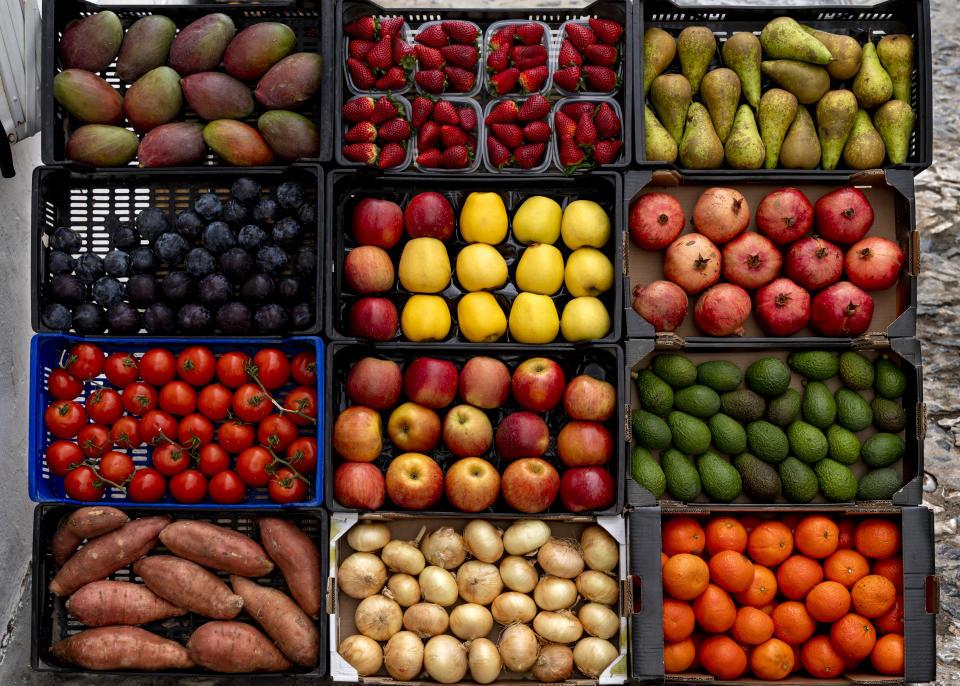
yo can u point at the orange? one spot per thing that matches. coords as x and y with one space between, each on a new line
768 608
663 559
772 660
846 526
697 640
731 570
752 626
892 621
791 520
714 610
750 522
797 575
792 623
873 596
685 576
887 654
682 535
678 620
853 636
797 666
678 657
851 663
725 533
846 566
877 538
770 543
828 601
892 568
722 657
821 659
816 536
762 590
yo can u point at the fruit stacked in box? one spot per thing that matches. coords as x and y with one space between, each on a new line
176 423
769 597
172 76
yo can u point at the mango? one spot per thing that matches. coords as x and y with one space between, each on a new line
257 48
145 46
200 45
173 145
215 95
290 135
154 99
91 43
88 97
290 82
100 145
237 143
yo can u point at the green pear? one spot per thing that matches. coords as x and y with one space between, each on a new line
742 53
659 49
864 148
896 55
660 144
806 81
720 92
836 113
696 47
700 147
872 85
894 121
845 50
801 147
744 148
775 114
783 38
671 97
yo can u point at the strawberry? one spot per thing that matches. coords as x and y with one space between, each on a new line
460 80
463 32
503 113
392 155
422 109
533 79
499 59
567 78
452 135
528 156
391 27
393 79
395 130
383 110
504 81
580 35
468 118
530 33
571 157
528 56
403 54
428 58
472 146
564 125
536 132
358 48
364 27
428 136
362 132
503 37
600 79
456 157
380 56
586 133
361 152
510 135
569 55
362 75
607 152
607 121
434 36
445 113
464 56
358 109
607 30
429 158
533 108
575 110
432 80
497 153
598 53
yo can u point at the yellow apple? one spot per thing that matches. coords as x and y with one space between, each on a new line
480 267
424 265
533 319
425 318
483 218
481 318
588 272
537 220
584 318
585 223
540 269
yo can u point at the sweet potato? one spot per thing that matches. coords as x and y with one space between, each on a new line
188 585
86 522
119 602
283 620
298 559
217 548
64 544
121 647
105 554
235 648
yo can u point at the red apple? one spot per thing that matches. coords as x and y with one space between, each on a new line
584 444
586 488
467 431
414 481
368 269
359 485
538 384
472 484
430 382
530 485
590 399
522 434
414 428
485 382
356 434
373 318
429 214
377 222
374 382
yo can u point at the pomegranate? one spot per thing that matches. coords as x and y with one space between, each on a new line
662 303
722 310
841 310
844 215
655 220
721 214
692 262
751 260
814 263
784 215
874 263
782 307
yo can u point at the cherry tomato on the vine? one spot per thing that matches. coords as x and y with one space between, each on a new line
196 365
104 406
285 487
94 440
158 366
252 466
65 418
226 488
125 433
122 369
179 398
116 467
139 398
303 400
303 368
213 459
231 369
82 483
84 361
147 486
195 430
273 369
302 454
63 385
235 437
251 403
188 487
156 422
277 432
62 456
214 402
170 459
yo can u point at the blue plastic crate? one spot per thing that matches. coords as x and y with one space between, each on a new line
45 354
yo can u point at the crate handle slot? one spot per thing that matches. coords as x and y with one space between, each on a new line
931 589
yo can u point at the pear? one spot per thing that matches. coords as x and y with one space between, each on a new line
659 49
744 148
801 147
806 81
896 55
783 38
700 147
742 53
864 148
894 121
696 47
845 50
671 97
720 91
872 85
660 144
775 114
836 113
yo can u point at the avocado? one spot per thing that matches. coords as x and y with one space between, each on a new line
676 370
760 480
720 375
691 436
683 481
647 472
700 401
853 412
649 430
856 372
767 441
816 365
889 381
727 434
784 408
842 445
800 483
836 480
743 405
879 484
719 478
882 450
888 415
769 377
819 407
655 394
807 442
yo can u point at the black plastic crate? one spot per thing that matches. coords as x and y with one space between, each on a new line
309 19
911 17
92 202
599 361
345 188
51 622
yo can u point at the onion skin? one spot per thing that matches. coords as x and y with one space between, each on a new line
525 536
378 617
404 589
403 557
483 540
363 654
439 586
426 619
470 621
444 548
555 663
479 582
361 575
560 558
518 647
445 659
553 593
558 627
600 549
511 607
593 655
484 660
598 587
599 620
403 656
518 573
365 537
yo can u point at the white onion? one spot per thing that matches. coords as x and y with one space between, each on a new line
558 627
483 540
479 582
525 536
553 593
599 620
600 549
365 537
403 656
593 655
511 607
444 548
378 617
425 619
363 654
438 586
598 587
404 589
518 647
484 660
554 663
361 575
403 557
470 621
445 659
518 573
559 557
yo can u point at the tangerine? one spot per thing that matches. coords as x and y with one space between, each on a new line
792 623
892 621
873 596
847 525
816 536
722 657
770 543
679 656
821 659
772 660
892 568
846 566
752 626
797 575
678 620
828 601
887 654
725 533
853 636
682 535
685 576
714 609
877 538
763 588
731 570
